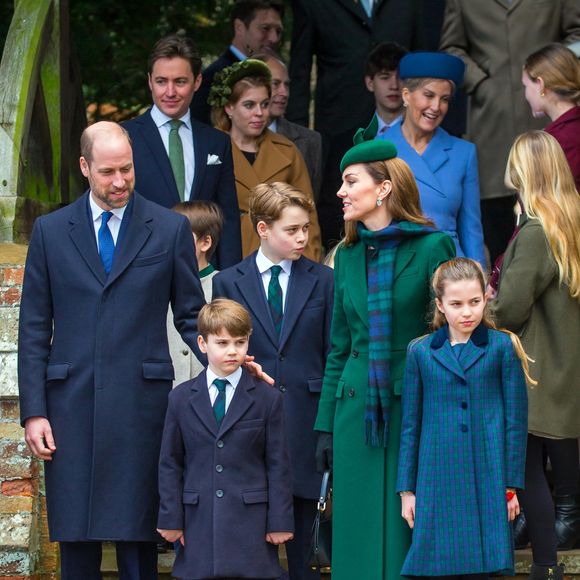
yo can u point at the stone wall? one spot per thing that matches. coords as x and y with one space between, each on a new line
25 552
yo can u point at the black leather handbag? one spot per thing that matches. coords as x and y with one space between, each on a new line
321 542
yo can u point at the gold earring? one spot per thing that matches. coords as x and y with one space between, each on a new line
379 202
542 93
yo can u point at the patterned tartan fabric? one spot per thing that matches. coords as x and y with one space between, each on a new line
275 298
382 248
219 405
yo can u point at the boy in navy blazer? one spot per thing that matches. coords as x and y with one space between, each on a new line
290 300
224 471
178 158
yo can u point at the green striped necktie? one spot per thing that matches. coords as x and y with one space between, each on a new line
219 405
275 297
176 156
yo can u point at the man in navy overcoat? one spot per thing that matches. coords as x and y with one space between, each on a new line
174 77
94 366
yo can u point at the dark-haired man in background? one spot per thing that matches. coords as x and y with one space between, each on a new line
176 157
256 25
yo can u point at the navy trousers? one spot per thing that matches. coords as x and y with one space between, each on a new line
135 560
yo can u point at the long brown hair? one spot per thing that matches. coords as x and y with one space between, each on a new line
465 269
402 203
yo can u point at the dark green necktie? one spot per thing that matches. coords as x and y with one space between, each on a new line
219 405
275 297
176 156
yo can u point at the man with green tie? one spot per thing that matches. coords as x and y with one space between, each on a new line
176 157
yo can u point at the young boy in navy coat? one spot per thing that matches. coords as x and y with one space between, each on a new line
290 300
224 473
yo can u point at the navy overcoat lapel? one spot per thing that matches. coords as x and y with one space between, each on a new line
250 284
240 403
200 151
82 234
159 154
136 235
300 287
201 404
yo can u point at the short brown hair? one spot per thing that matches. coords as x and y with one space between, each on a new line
176 46
245 10
205 218
268 201
224 314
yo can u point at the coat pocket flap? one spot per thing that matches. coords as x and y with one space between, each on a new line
255 496
158 370
57 371
148 260
315 385
191 497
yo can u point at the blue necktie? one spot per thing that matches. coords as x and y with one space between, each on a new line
106 243
368 7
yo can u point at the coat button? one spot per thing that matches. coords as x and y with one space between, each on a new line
281 357
219 468
220 443
351 392
464 428
219 493
355 354
463 405
282 388
184 352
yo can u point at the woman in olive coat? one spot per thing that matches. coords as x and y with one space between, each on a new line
539 299
385 261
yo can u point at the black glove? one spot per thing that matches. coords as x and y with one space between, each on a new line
324 452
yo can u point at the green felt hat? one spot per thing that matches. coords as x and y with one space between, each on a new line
368 151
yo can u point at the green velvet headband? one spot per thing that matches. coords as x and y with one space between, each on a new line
366 149
224 81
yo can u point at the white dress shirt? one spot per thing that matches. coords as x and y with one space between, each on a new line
233 381
114 223
264 264
186 133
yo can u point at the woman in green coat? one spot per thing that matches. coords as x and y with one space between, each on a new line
383 269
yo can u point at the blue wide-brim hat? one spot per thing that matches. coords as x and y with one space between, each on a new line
436 65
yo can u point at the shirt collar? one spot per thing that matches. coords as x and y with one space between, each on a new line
263 263
160 118
96 211
233 379
238 52
384 126
273 126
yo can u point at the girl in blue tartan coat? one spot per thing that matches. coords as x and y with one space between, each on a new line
464 431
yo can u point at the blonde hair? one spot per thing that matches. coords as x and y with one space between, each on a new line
402 203
537 168
559 68
465 269
268 201
224 314
219 118
414 83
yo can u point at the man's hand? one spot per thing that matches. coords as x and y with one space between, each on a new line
172 535
278 538
38 437
255 369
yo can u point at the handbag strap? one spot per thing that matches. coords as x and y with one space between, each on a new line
323 491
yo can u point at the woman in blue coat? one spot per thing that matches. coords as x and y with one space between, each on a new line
444 166
463 434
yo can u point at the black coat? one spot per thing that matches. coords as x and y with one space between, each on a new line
226 486
93 359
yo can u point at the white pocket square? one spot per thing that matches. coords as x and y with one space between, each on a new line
213 159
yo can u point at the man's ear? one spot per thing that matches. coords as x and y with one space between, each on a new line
197 82
84 166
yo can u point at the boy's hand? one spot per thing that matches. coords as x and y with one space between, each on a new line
256 369
513 508
278 538
408 509
172 535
